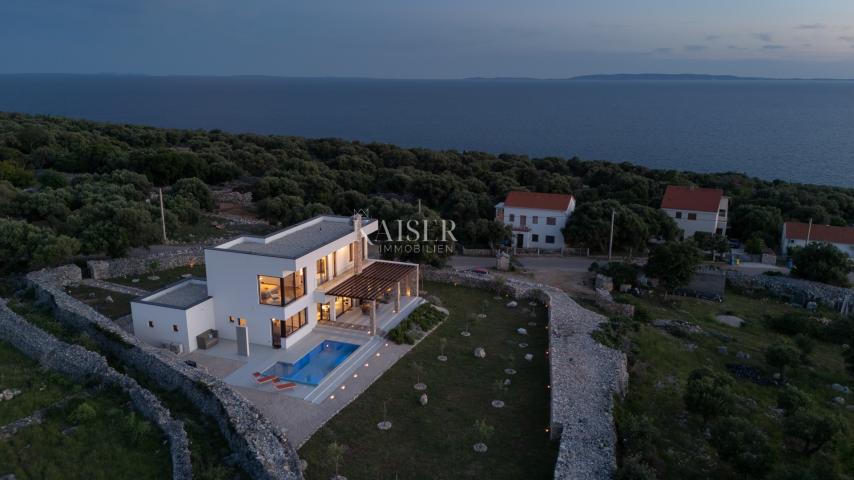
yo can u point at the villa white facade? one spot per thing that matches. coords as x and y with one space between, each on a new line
696 209
536 218
274 290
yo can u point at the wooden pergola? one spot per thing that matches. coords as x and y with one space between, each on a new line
373 283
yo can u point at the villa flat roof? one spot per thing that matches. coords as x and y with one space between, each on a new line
297 240
181 295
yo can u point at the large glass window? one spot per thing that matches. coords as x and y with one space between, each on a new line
322 271
280 291
294 285
294 323
270 290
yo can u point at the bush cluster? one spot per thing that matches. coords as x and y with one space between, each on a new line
422 318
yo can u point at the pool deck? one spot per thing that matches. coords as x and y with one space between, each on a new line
303 410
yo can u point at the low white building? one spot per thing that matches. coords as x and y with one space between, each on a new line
696 209
274 290
798 234
536 218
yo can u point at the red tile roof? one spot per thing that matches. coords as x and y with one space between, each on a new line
542 201
692 198
820 233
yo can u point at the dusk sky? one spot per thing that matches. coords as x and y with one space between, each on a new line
428 39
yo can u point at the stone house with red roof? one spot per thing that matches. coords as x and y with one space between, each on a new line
696 209
536 218
798 234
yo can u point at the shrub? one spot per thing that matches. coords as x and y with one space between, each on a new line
780 356
52 179
424 317
708 393
634 469
792 323
812 427
743 445
638 434
791 399
82 414
821 262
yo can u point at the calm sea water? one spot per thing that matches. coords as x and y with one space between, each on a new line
800 131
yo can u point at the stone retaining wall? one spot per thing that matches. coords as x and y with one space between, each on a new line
796 290
79 363
585 376
261 449
132 266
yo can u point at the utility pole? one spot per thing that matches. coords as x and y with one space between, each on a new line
162 215
809 232
611 241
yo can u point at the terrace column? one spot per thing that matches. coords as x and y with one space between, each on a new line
373 317
418 281
332 314
397 299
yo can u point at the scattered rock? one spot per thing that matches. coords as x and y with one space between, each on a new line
442 358
10 476
507 382
479 352
68 431
522 331
442 309
384 425
532 324
691 347
742 355
420 386
839 400
523 345
497 298
498 404
481 315
465 333
841 388
480 447
625 288
529 356
509 371
303 464
722 350
423 399
512 304
9 394
776 376
532 304
729 320
135 280
604 282
109 299
154 278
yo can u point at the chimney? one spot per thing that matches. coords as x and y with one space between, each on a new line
357 248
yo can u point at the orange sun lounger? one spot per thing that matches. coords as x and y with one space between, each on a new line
263 378
280 385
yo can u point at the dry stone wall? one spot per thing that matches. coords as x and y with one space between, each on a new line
130 266
79 363
585 376
796 290
262 450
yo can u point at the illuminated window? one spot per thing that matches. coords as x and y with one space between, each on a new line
150 324
241 322
231 319
322 271
281 291
291 324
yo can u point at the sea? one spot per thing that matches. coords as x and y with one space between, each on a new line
794 130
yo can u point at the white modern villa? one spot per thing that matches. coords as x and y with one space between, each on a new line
536 218
272 292
696 209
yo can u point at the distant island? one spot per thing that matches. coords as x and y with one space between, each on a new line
663 76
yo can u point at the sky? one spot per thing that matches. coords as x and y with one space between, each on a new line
428 39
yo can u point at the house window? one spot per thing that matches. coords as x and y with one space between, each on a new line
241 322
722 213
231 319
550 221
174 327
281 291
350 251
150 324
550 239
322 271
293 323
678 214
512 217
534 237
523 220
692 216
535 219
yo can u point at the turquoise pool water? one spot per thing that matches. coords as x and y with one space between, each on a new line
314 365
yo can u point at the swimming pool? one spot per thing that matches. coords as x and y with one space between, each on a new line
314 365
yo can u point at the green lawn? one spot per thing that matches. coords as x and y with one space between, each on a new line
166 277
435 441
116 443
97 299
662 363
